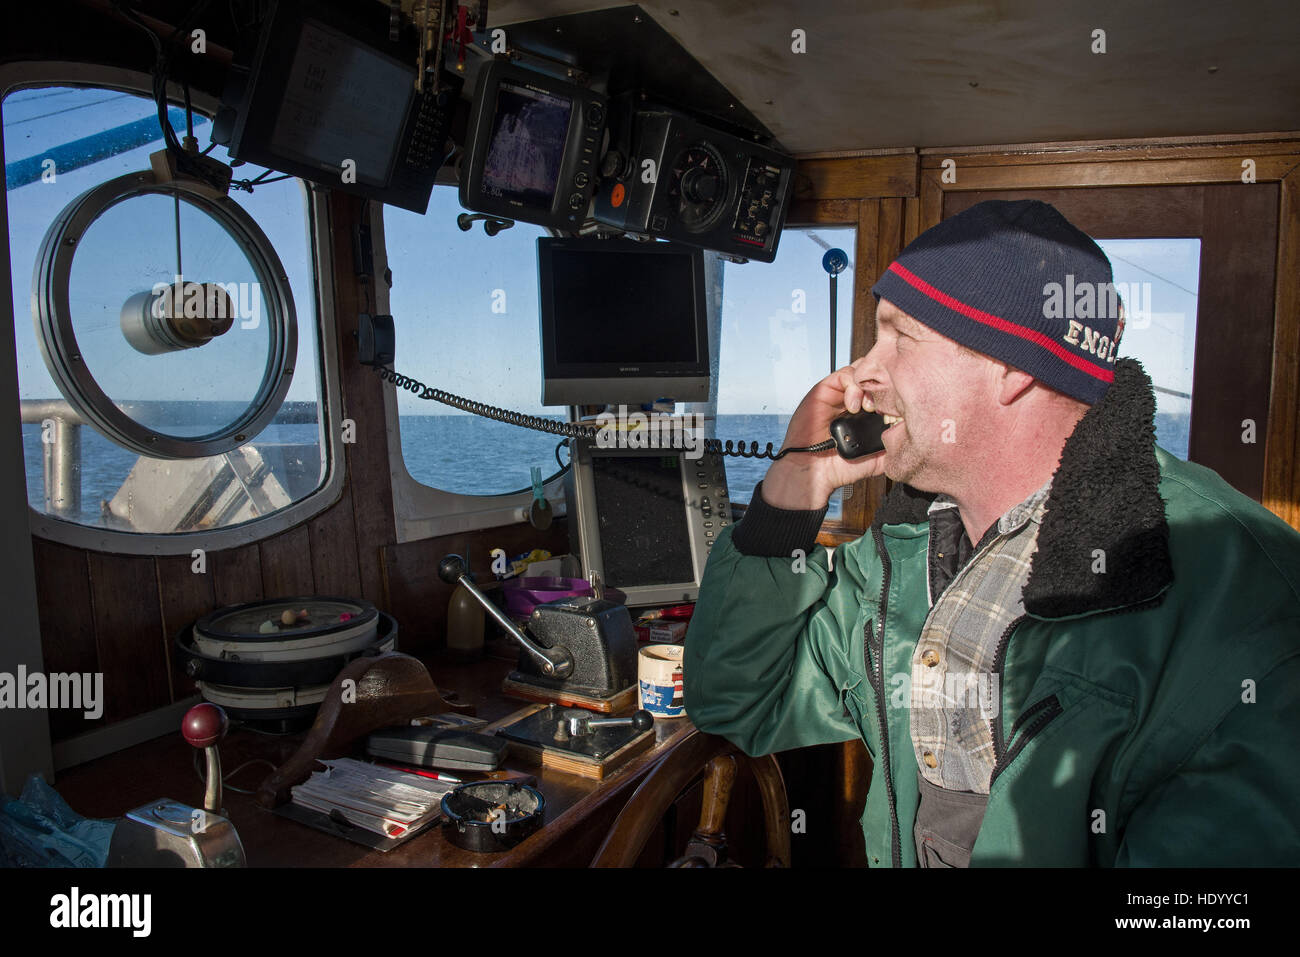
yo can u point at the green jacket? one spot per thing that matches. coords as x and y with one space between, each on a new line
1148 713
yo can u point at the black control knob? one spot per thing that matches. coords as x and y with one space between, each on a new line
700 185
611 166
451 568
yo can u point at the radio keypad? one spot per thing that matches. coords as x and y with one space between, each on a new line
755 214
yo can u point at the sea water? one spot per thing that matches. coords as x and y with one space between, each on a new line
456 453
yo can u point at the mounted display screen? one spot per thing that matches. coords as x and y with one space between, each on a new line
527 146
622 321
327 96
343 100
642 520
532 147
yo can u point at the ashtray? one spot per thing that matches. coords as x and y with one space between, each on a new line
490 816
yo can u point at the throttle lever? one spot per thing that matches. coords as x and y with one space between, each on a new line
554 662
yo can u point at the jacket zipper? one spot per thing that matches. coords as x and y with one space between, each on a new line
1038 715
995 722
876 673
1035 718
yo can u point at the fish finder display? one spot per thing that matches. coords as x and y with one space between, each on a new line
528 138
643 533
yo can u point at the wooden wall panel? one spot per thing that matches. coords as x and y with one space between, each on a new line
814 212
363 403
236 575
67 617
184 596
333 540
972 173
128 635
286 564
1236 306
1281 473
856 177
1144 213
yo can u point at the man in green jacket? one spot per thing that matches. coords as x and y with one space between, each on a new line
1060 644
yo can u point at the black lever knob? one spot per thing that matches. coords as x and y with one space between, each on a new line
451 568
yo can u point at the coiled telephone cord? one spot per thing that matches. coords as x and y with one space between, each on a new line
572 430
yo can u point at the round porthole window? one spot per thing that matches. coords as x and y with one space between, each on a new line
182 347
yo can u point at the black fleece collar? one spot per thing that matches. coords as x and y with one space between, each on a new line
1104 510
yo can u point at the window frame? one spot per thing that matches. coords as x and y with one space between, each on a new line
421 511
17 75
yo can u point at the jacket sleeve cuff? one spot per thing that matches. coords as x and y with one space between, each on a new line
770 532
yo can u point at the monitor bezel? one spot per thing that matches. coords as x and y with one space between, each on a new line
584 523
611 382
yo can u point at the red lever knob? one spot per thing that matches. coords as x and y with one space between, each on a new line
204 725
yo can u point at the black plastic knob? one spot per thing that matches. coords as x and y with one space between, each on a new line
643 720
451 568
700 186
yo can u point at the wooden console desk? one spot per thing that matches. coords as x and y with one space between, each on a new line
579 811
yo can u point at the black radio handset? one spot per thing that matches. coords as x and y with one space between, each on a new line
857 434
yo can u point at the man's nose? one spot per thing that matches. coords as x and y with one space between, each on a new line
867 367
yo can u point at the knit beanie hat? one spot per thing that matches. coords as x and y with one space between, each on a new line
1015 281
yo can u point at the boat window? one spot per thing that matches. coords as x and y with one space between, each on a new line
1158 279
59 143
464 307
775 343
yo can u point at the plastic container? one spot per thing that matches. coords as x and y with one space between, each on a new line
523 594
464 626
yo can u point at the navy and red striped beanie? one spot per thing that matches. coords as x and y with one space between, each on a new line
1015 281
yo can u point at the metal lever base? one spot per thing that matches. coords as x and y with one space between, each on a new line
166 833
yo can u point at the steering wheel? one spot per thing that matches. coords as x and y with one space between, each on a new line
720 761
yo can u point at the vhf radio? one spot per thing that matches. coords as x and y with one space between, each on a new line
666 175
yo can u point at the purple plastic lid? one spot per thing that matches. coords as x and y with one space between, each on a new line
523 594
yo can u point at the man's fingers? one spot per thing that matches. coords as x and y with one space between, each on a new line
853 393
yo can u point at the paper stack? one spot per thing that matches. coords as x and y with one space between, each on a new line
385 801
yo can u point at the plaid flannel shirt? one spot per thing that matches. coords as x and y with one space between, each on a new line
975 594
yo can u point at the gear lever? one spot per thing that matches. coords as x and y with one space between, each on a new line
203 726
167 833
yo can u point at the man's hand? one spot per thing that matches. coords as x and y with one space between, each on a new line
805 481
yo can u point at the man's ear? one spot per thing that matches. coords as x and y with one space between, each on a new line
1011 382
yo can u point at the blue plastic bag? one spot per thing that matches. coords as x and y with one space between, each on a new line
40 830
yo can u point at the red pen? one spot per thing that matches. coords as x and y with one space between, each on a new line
423 773
674 611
